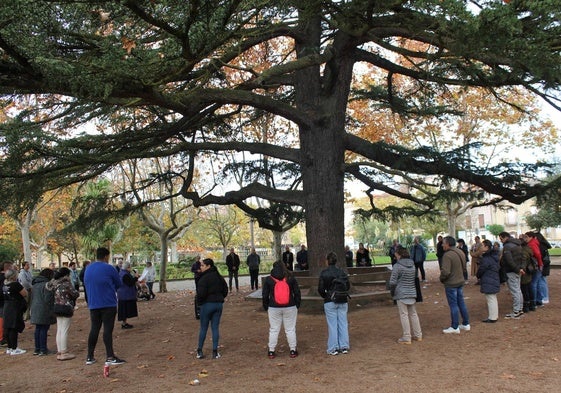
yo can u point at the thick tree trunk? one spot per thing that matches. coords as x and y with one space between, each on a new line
323 93
277 245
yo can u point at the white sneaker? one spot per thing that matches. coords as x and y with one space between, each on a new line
8 351
18 351
451 330
467 328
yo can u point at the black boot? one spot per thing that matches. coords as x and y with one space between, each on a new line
532 306
526 307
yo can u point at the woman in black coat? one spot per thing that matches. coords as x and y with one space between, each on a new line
14 307
211 291
488 274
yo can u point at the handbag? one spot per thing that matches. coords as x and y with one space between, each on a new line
63 310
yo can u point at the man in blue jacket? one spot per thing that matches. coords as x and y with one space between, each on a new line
418 255
102 281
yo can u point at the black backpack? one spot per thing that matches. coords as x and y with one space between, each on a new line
338 290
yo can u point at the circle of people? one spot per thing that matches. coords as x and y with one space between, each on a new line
522 263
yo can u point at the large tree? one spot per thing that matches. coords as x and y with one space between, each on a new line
190 67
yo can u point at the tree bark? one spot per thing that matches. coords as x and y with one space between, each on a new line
163 262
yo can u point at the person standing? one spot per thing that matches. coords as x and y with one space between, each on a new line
233 263
101 282
281 314
418 255
404 292
42 315
452 276
196 270
348 256
439 251
335 313
392 250
302 258
74 276
25 278
5 267
211 292
14 307
149 276
511 260
288 258
488 277
81 276
253 261
476 252
126 295
65 301
539 284
461 245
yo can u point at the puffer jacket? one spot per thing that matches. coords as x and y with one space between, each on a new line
488 272
212 287
269 285
402 279
512 258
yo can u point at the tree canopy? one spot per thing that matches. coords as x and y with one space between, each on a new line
186 79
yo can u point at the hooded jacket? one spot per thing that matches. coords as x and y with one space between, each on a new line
488 272
269 285
42 303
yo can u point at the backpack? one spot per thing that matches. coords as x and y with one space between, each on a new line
281 292
338 290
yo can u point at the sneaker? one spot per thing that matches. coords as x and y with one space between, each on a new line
90 361
271 354
3 343
451 330
333 353
17 351
489 320
114 361
345 350
404 341
36 352
417 338
215 354
8 351
293 353
200 354
126 326
514 315
466 328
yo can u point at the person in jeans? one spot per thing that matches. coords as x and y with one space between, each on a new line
42 306
211 292
512 259
101 282
281 314
404 292
253 261
418 255
452 276
335 313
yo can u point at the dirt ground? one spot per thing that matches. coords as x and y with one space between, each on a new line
509 356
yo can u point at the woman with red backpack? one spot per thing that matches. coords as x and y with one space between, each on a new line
281 300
